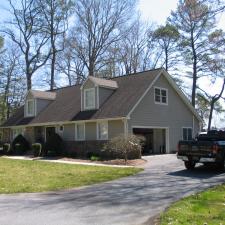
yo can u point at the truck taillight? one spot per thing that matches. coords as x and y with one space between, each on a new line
215 149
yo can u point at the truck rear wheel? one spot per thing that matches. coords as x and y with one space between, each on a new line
190 165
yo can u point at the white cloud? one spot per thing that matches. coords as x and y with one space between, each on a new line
156 11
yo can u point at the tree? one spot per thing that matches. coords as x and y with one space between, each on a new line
97 28
167 38
132 47
55 17
11 83
195 21
203 103
27 31
70 65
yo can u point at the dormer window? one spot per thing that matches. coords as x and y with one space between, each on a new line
89 98
30 107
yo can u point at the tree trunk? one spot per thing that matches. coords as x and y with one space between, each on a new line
29 82
194 82
52 81
52 37
91 69
166 59
211 113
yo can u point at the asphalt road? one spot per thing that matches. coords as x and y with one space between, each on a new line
128 201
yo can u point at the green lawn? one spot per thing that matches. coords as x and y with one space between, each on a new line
207 207
36 176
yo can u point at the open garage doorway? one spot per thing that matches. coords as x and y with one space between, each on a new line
156 140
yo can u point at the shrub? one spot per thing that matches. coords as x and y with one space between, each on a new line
128 147
20 145
37 149
6 148
53 145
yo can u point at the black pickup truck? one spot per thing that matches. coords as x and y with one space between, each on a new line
206 148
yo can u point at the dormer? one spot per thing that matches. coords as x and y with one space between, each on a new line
36 101
95 91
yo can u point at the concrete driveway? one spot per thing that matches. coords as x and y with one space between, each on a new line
128 201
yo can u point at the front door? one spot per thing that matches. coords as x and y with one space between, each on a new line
49 131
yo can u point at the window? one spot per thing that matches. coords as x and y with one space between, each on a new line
30 108
80 132
89 98
161 96
187 133
102 130
17 131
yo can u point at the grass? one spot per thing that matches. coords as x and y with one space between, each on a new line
18 176
207 208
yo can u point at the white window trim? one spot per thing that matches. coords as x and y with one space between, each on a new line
76 136
97 130
186 128
34 107
161 103
92 107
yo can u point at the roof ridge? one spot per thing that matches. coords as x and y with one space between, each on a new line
111 78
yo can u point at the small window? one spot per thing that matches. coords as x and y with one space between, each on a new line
187 134
80 132
102 130
161 96
89 98
30 107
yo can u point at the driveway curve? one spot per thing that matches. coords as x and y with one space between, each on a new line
127 201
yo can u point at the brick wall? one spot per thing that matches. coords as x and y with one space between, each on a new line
6 135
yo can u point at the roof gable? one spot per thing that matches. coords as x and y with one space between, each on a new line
48 95
175 87
111 84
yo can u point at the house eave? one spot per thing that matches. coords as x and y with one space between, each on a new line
64 122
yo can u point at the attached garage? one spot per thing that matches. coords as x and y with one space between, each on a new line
156 139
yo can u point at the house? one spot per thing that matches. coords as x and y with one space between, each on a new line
86 116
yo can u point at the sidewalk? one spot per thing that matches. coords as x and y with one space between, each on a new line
64 161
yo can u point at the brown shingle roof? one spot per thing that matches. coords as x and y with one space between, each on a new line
67 105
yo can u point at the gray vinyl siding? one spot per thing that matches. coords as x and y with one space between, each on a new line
88 84
41 104
104 93
115 128
68 133
175 115
90 131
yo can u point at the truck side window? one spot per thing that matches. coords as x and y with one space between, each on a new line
187 133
